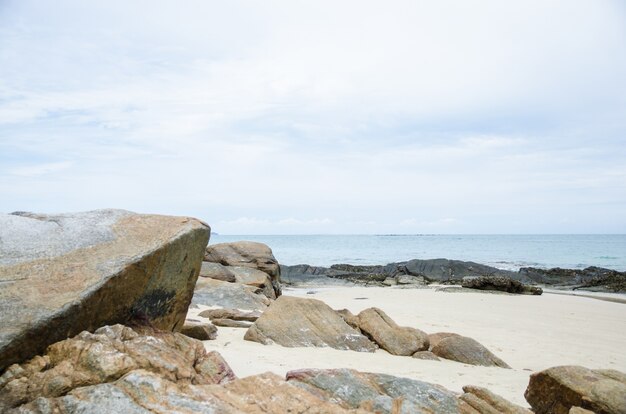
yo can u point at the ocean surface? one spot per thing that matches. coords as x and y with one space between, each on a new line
502 251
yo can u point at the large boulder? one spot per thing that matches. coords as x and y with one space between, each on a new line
379 393
62 274
108 355
253 277
298 322
211 292
466 350
396 340
556 390
217 271
500 283
590 278
247 254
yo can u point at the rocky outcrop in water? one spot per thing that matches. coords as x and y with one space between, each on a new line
417 272
414 272
62 274
591 278
501 284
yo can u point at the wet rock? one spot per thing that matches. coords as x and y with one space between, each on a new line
217 271
378 393
210 292
296 322
466 350
502 284
105 356
62 274
486 402
556 390
199 330
247 254
395 339
590 278
410 280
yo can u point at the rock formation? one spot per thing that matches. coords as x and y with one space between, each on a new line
247 254
378 393
113 367
396 340
296 322
62 274
500 283
211 292
556 390
466 350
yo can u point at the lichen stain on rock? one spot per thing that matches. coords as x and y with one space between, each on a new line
155 304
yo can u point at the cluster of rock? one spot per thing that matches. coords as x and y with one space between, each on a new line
142 370
414 273
590 278
500 283
302 322
119 284
456 272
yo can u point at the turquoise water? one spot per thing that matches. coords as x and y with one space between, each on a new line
502 251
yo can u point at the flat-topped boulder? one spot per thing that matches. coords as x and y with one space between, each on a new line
62 274
247 254
299 322
557 390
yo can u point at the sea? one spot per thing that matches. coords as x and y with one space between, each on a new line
508 252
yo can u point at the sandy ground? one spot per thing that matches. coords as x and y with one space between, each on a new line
530 333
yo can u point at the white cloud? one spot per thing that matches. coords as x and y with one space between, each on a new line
482 111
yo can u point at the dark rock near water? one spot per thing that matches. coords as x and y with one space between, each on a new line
444 271
500 283
590 278
558 389
62 274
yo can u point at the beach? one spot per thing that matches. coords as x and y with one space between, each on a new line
530 333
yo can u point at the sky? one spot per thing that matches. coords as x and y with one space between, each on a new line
319 117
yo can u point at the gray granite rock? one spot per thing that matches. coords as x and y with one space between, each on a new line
62 274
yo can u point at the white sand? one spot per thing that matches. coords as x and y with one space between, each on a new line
530 333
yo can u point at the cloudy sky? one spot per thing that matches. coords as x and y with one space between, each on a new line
280 117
